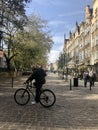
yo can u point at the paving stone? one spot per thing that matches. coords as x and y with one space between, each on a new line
75 109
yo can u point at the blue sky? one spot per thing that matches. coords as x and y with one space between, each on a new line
61 16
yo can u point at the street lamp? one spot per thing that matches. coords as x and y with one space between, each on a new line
0 39
65 64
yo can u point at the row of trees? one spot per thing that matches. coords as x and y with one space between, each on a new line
24 40
63 61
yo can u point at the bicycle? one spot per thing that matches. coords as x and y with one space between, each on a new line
22 96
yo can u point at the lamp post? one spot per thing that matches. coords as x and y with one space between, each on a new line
0 39
1 33
1 22
65 64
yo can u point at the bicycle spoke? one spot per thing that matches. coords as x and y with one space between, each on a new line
21 96
47 98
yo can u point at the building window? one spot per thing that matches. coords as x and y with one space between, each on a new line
80 57
96 12
92 28
93 42
96 55
88 29
96 42
87 53
97 24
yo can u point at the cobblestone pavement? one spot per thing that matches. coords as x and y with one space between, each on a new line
75 109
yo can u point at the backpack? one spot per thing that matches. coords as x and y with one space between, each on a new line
91 74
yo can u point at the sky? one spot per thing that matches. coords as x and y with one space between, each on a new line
61 16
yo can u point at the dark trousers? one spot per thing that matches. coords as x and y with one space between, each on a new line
85 82
91 82
38 90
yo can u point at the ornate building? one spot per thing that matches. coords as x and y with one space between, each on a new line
82 44
94 35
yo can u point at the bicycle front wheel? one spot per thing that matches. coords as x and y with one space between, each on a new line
21 96
47 98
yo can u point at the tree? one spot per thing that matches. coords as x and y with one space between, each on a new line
12 18
23 36
64 58
34 43
60 61
40 31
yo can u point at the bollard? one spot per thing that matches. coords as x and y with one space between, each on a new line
12 81
90 87
70 85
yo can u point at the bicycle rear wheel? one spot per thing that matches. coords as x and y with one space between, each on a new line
47 98
21 96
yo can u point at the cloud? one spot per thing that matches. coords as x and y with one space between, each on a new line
48 2
60 25
58 42
56 23
40 2
58 39
72 13
53 56
57 3
57 48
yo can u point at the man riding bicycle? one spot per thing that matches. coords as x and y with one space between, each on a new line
39 76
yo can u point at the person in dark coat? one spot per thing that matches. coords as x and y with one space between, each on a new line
85 77
39 76
93 77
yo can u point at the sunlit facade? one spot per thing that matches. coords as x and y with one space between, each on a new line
94 35
82 45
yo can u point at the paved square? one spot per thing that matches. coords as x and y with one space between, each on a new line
75 109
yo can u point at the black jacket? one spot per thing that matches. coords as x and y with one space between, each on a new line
39 76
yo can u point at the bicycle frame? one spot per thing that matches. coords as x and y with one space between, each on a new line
29 89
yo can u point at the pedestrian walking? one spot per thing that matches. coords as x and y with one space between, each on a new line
85 77
91 77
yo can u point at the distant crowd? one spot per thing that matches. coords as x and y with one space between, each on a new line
89 75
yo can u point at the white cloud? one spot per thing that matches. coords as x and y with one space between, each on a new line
48 2
72 13
43 2
57 48
58 3
58 39
53 56
56 23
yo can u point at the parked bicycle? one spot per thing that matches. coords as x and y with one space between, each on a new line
22 96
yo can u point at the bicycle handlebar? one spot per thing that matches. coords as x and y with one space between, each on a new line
29 85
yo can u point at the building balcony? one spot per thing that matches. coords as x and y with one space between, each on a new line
96 61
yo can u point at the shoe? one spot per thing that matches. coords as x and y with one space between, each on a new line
33 103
